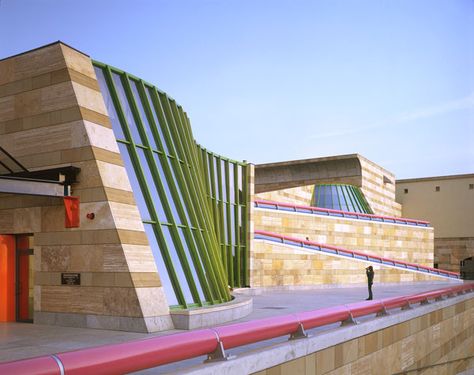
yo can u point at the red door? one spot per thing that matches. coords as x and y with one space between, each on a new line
7 278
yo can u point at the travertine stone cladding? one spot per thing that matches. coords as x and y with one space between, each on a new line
277 265
401 242
438 343
344 169
52 114
449 252
301 195
378 186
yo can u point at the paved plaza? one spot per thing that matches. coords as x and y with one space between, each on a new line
22 340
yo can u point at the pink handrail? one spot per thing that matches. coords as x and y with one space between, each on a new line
338 250
146 353
339 212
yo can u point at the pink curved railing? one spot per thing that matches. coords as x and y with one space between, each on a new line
146 353
345 214
275 237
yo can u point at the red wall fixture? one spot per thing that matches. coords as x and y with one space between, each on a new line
71 207
7 278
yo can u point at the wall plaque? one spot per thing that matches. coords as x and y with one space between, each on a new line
71 279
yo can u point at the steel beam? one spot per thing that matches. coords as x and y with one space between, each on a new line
25 186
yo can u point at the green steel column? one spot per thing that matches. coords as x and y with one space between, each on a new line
237 271
230 258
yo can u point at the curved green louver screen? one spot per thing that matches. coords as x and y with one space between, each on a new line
192 202
340 197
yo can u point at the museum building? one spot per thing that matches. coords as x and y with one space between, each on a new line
112 216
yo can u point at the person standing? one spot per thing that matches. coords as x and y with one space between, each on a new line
370 280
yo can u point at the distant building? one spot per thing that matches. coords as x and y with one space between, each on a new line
448 203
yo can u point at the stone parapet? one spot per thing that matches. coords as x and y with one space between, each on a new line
395 241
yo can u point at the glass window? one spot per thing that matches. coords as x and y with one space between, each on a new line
212 188
159 160
335 198
137 191
342 198
109 104
177 265
160 264
232 223
155 117
223 181
232 180
216 177
127 109
143 116
151 185
224 214
327 196
165 104
192 264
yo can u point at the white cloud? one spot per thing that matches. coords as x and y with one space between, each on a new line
451 106
422 113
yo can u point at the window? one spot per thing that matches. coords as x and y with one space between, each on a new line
471 186
436 265
437 188
405 191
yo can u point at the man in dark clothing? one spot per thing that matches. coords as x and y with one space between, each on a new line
370 280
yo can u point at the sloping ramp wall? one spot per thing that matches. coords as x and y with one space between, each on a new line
275 265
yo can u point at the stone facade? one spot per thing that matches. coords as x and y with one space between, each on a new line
378 186
449 252
301 195
53 114
345 169
284 266
285 179
402 242
448 203
440 342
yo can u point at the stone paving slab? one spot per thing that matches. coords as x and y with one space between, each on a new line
23 340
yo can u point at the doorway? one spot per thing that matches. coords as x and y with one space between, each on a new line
25 274
16 278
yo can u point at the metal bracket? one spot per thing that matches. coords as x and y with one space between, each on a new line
349 320
300 333
383 312
218 354
425 302
407 306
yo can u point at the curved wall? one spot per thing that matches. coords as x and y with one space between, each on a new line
192 202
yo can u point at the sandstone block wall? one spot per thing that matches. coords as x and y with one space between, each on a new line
438 343
301 195
278 265
378 186
52 114
401 242
448 252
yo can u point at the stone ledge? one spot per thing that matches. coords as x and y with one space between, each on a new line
209 316
115 323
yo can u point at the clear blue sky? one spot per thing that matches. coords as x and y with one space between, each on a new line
281 80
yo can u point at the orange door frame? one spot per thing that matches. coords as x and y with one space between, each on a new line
7 278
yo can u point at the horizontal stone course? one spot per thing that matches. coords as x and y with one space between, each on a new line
395 241
277 265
